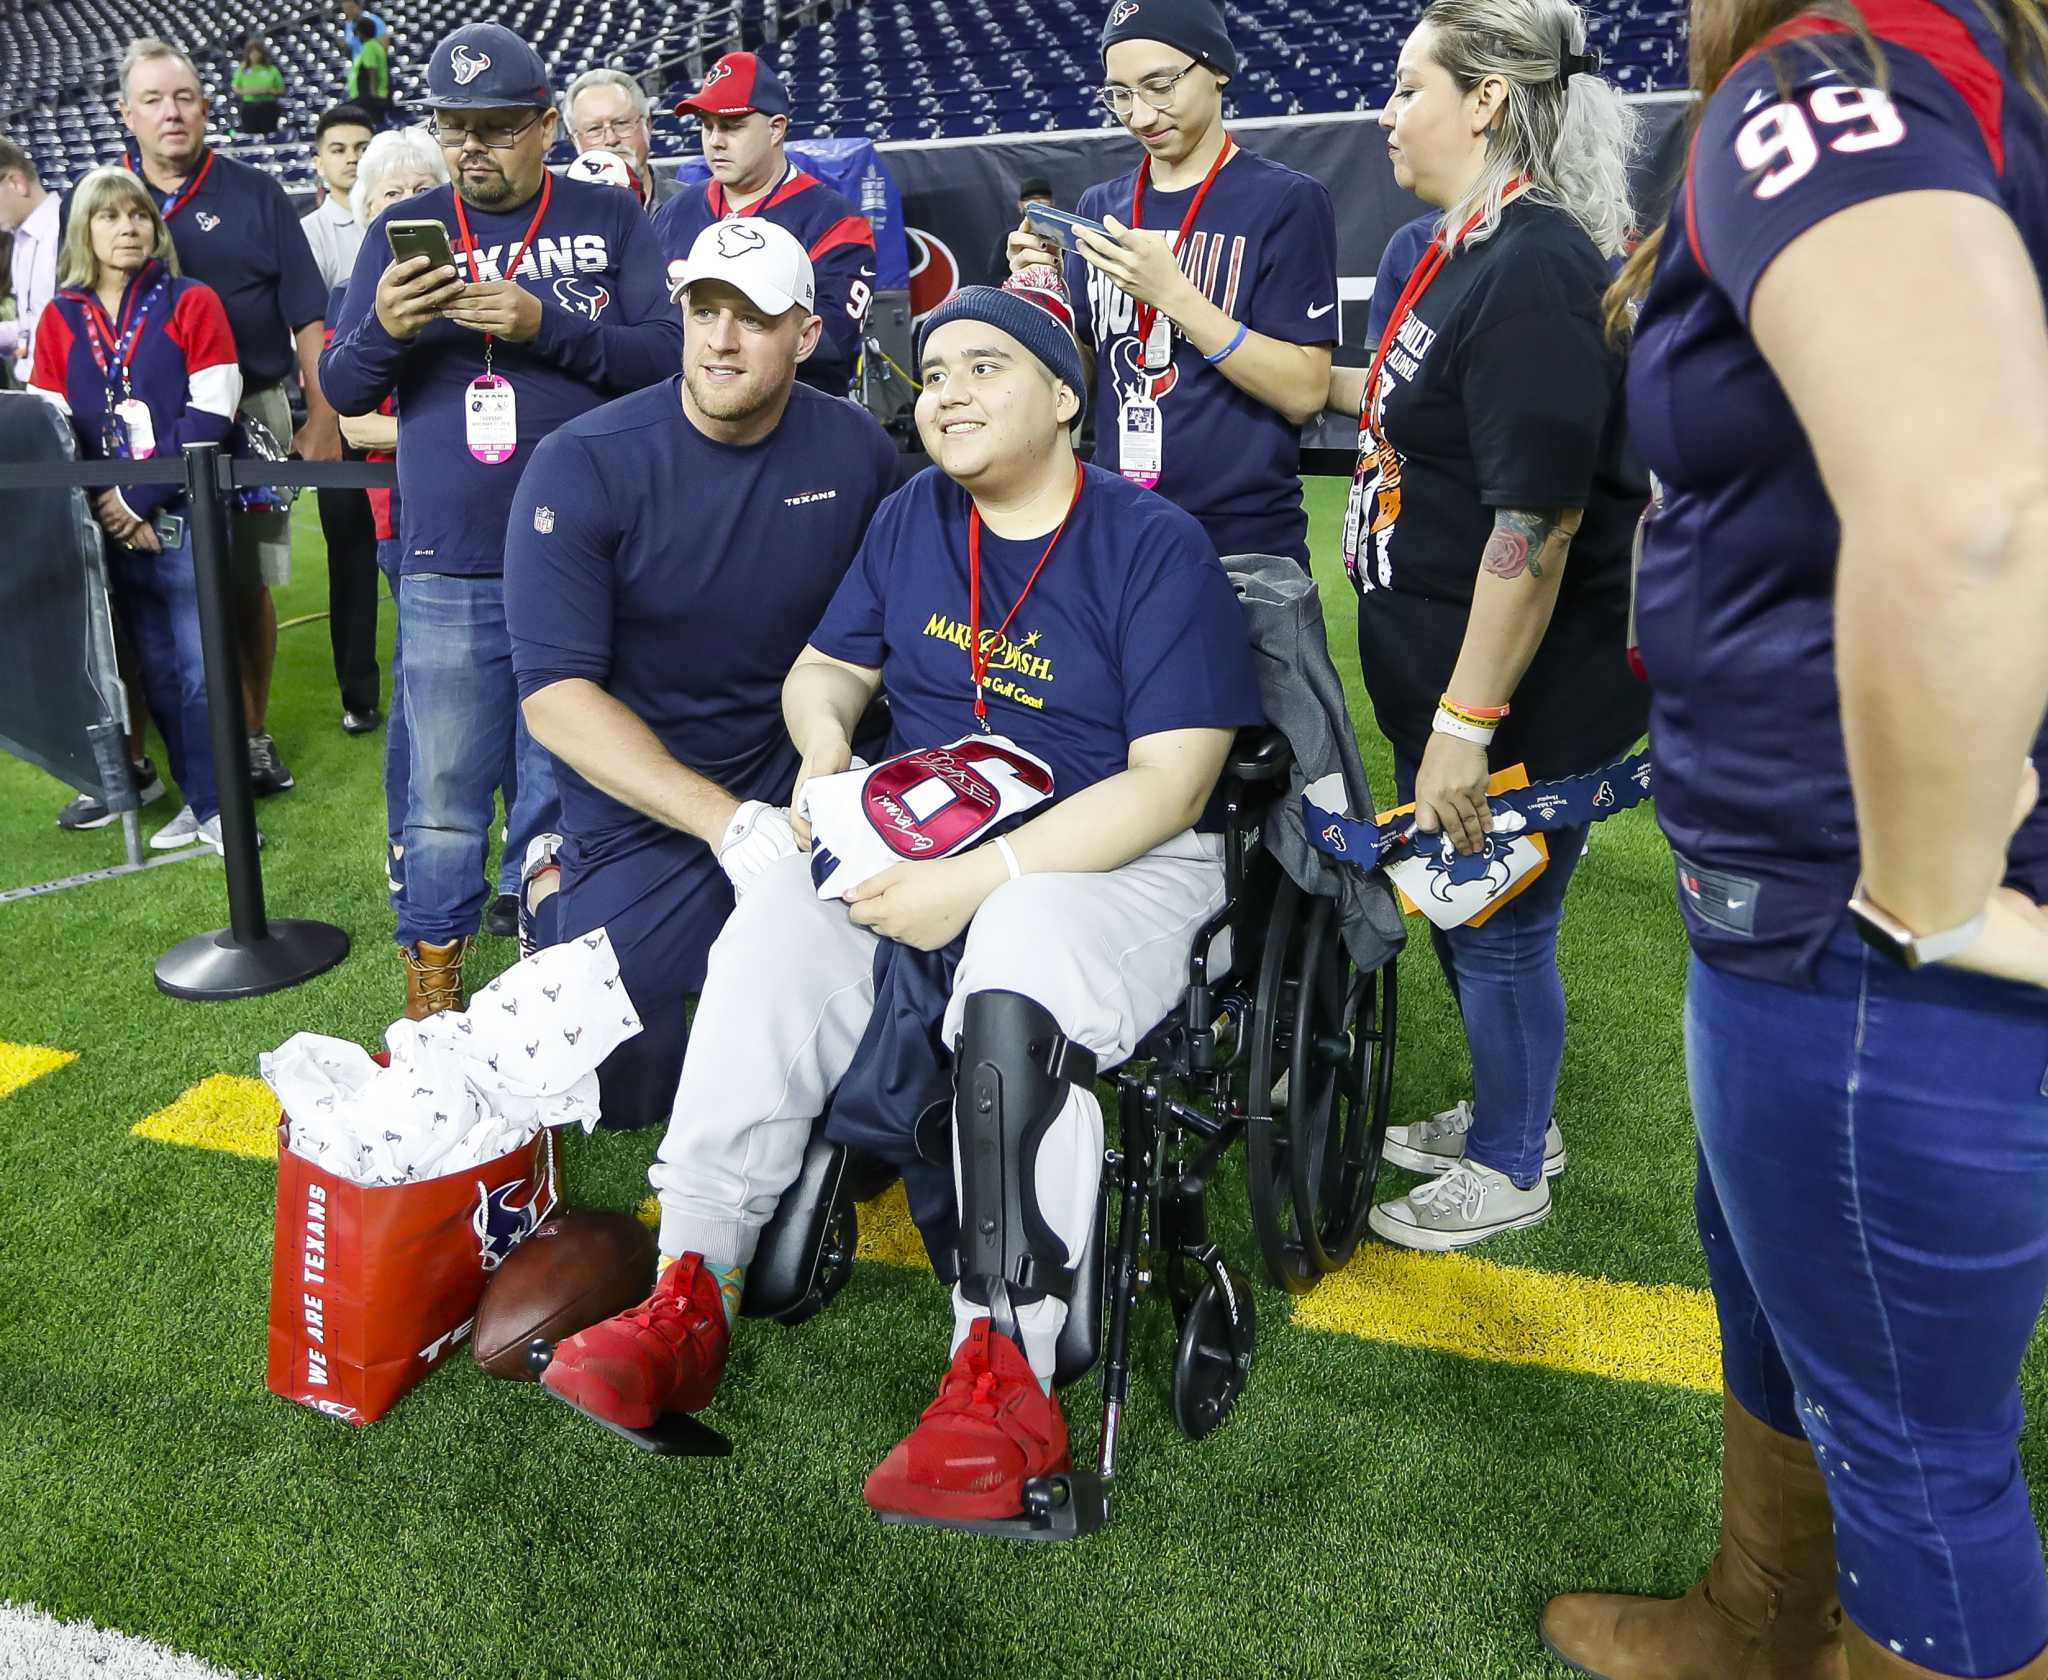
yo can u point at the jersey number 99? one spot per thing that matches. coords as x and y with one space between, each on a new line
1779 144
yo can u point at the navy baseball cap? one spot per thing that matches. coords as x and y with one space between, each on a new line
736 84
484 66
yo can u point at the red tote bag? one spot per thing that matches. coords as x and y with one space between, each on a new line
370 1289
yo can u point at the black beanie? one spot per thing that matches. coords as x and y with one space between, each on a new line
1194 26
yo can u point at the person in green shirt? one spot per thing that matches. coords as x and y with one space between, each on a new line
369 73
259 90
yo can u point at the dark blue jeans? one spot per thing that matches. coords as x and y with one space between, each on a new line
1873 1201
159 596
397 742
466 737
1505 979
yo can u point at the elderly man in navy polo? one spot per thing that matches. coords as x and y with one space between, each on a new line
556 304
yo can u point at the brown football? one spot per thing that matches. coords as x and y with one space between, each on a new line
576 1269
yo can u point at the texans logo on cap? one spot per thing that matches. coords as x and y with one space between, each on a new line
466 65
582 297
1123 14
717 73
736 239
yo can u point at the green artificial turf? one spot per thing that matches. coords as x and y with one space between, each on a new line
1369 1510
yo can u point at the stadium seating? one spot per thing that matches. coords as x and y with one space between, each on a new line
891 69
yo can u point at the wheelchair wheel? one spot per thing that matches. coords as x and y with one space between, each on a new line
835 1265
1329 1031
1269 1136
1214 1360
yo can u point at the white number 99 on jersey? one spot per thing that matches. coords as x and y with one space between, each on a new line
1779 144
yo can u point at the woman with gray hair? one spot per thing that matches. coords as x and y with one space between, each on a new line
1492 448
399 164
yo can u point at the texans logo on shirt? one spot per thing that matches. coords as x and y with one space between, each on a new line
207 220
582 297
465 65
1129 357
736 239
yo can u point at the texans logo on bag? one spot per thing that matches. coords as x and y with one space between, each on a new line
500 1225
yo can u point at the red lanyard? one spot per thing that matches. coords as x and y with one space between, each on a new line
1147 314
185 193
977 654
1426 271
115 347
784 188
510 270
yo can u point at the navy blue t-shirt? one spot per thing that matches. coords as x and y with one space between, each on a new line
606 328
683 577
1264 251
238 232
1397 265
1735 599
1131 630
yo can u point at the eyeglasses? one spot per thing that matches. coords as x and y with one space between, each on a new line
622 129
1159 92
496 137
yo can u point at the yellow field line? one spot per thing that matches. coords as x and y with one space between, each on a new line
23 1064
1446 1303
227 1112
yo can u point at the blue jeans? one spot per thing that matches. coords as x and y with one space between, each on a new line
397 742
160 599
1873 1202
1505 979
466 737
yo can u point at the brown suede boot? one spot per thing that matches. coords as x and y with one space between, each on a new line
1767 1609
1868 1660
433 977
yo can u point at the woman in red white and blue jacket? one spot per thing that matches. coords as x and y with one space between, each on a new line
143 362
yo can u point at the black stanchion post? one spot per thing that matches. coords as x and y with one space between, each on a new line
252 954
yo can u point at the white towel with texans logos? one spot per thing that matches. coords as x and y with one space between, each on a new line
463 1088
930 803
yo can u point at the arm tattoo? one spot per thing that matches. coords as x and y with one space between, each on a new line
1517 544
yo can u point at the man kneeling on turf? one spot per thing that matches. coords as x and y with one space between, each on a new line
1012 590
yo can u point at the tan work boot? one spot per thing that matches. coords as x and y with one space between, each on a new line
433 977
1868 1660
1767 1609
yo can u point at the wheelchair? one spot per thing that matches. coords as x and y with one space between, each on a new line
1279 1042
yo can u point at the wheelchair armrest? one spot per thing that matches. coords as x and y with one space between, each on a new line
1258 755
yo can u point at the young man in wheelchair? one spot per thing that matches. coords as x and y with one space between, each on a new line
1039 616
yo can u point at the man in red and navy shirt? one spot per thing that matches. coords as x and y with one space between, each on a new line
745 112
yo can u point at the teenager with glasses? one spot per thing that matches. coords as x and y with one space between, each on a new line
555 305
1210 314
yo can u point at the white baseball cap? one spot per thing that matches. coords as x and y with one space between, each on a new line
753 254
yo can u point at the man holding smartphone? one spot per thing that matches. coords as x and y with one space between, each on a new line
545 300
1212 303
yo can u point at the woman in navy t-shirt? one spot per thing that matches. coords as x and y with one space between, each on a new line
1488 535
143 362
1841 377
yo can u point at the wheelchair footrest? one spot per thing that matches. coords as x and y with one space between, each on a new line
672 1435
1070 1505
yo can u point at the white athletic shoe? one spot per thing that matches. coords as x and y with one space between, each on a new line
1433 1144
181 830
209 832
1460 1207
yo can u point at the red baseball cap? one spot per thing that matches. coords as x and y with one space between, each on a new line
736 84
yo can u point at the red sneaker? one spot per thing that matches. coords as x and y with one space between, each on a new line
665 1355
991 1430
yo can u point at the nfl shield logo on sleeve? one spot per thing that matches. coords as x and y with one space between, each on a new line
544 519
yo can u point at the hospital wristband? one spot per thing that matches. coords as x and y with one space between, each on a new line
1009 857
1448 722
1229 349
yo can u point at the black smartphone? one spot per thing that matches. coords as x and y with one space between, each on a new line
420 239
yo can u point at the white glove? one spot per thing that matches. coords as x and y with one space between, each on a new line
758 835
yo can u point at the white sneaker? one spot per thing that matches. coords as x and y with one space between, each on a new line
181 830
1433 1144
1460 1207
209 832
